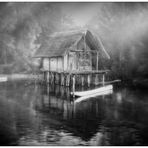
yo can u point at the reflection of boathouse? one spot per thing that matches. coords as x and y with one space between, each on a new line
72 57
79 119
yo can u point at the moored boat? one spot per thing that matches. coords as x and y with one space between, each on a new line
94 91
83 98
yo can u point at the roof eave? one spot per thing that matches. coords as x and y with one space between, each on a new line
42 56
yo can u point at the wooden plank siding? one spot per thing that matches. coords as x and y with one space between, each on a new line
53 64
46 63
80 57
60 63
65 62
70 61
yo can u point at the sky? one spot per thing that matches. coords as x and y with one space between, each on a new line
80 12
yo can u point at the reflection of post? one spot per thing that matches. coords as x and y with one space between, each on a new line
65 113
48 89
55 78
73 85
74 110
62 91
47 76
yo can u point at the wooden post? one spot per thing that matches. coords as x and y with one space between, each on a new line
88 80
49 77
96 79
73 85
97 61
44 73
67 61
41 64
103 79
62 79
56 78
52 77
82 80
67 79
49 64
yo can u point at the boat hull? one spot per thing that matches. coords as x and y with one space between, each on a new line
83 98
94 91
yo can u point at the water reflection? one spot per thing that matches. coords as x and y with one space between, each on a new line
47 115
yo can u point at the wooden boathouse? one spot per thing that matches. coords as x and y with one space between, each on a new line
72 58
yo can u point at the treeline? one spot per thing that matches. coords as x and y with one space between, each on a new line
23 28
123 28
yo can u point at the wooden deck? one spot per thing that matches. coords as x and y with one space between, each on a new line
82 72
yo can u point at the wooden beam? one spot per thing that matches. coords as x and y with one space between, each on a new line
57 64
73 85
103 79
49 64
97 56
84 51
84 42
88 80
82 80
68 60
63 63
81 72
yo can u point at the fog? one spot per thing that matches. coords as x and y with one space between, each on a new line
122 27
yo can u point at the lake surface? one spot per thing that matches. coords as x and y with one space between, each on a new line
40 115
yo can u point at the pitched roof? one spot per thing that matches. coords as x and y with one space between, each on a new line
60 42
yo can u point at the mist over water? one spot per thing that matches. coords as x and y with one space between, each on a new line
122 28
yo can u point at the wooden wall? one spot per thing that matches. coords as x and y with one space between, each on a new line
84 59
45 63
53 64
72 60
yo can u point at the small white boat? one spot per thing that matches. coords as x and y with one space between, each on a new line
93 95
3 79
94 91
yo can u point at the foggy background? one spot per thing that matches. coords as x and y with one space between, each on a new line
122 27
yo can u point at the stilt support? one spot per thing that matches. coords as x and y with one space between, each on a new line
73 85
88 80
103 79
82 80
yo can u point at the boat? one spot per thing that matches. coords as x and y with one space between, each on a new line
94 91
3 79
83 98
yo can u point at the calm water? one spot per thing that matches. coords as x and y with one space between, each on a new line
35 115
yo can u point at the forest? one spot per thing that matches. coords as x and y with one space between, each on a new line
122 28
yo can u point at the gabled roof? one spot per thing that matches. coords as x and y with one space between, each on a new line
60 42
